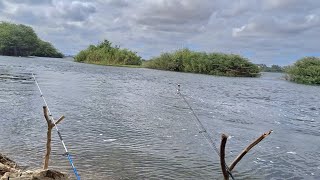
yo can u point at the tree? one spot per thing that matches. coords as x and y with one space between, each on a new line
45 49
21 40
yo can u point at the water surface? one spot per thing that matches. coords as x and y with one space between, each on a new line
124 123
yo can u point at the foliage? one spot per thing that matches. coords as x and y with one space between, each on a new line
273 68
305 71
46 49
21 40
106 54
205 63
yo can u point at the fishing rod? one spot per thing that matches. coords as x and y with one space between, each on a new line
202 129
55 125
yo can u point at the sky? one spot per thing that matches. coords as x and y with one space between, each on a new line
264 31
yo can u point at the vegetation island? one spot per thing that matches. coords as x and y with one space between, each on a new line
21 40
183 60
305 71
106 54
219 64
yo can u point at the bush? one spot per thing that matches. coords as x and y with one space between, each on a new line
305 71
106 54
205 63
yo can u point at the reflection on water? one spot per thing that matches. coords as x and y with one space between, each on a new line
124 123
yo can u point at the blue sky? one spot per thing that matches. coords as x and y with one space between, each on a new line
265 31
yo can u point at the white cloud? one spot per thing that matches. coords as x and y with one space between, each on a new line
275 26
237 8
275 4
118 3
173 15
74 10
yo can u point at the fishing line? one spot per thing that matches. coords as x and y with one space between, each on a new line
202 129
55 125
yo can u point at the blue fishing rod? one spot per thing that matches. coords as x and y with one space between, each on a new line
55 125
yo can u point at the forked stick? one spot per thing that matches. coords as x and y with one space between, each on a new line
50 126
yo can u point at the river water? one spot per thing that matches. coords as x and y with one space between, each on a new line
127 123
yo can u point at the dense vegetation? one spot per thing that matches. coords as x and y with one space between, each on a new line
21 40
272 68
305 71
205 63
106 54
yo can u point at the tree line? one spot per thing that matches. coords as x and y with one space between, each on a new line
21 40
272 68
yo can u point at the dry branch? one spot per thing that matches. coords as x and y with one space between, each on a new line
50 126
222 156
247 149
48 147
59 120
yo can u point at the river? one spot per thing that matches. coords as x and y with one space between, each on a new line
129 123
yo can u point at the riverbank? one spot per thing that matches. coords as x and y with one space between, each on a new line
10 170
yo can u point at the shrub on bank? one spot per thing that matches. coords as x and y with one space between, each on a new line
106 54
220 64
305 71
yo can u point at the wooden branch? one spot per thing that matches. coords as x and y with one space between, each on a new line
50 126
224 139
59 120
48 151
48 146
46 116
247 149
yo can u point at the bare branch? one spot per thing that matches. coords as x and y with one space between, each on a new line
59 120
50 126
46 116
247 149
222 156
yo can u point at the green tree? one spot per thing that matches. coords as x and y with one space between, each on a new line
21 40
45 49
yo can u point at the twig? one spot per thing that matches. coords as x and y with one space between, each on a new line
59 120
247 149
